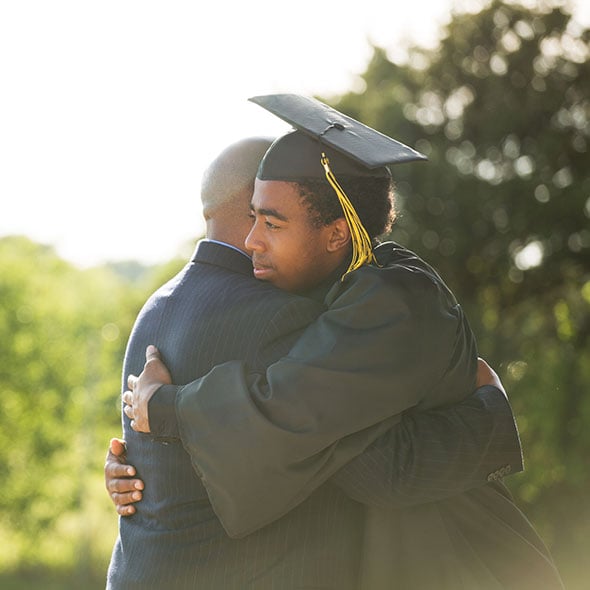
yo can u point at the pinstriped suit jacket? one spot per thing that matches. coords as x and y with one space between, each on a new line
211 312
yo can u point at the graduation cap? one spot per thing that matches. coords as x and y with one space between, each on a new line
327 144
359 150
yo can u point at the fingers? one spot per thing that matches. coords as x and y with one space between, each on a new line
481 364
487 376
124 502
114 469
486 370
124 490
131 381
151 352
130 413
128 410
126 510
484 373
117 447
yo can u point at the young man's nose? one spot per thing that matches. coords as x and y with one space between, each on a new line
253 242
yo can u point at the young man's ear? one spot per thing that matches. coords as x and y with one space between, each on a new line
339 237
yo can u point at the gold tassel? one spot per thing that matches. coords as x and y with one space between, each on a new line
362 250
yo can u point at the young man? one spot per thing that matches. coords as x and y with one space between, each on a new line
393 338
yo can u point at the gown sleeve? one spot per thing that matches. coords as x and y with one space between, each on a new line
391 339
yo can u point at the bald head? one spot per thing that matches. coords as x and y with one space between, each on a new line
226 189
232 173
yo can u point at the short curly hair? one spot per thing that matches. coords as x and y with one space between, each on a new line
372 198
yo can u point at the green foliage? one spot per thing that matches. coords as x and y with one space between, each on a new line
62 338
502 209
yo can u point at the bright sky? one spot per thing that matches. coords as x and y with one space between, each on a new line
110 110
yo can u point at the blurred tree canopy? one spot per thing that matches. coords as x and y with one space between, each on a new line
502 209
62 339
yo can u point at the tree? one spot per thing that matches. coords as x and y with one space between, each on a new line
62 338
502 109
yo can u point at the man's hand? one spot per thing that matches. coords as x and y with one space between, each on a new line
118 478
142 388
487 376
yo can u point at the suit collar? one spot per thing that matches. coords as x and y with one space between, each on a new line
224 255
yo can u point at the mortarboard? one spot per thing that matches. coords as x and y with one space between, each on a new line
358 150
327 144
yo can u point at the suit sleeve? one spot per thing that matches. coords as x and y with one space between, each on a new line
431 455
262 443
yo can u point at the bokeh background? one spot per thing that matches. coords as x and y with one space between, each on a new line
110 111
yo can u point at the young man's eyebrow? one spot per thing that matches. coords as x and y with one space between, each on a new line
269 213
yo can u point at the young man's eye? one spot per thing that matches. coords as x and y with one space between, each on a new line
271 225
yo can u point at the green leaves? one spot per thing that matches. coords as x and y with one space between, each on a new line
502 209
62 340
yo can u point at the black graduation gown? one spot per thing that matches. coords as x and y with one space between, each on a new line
393 338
